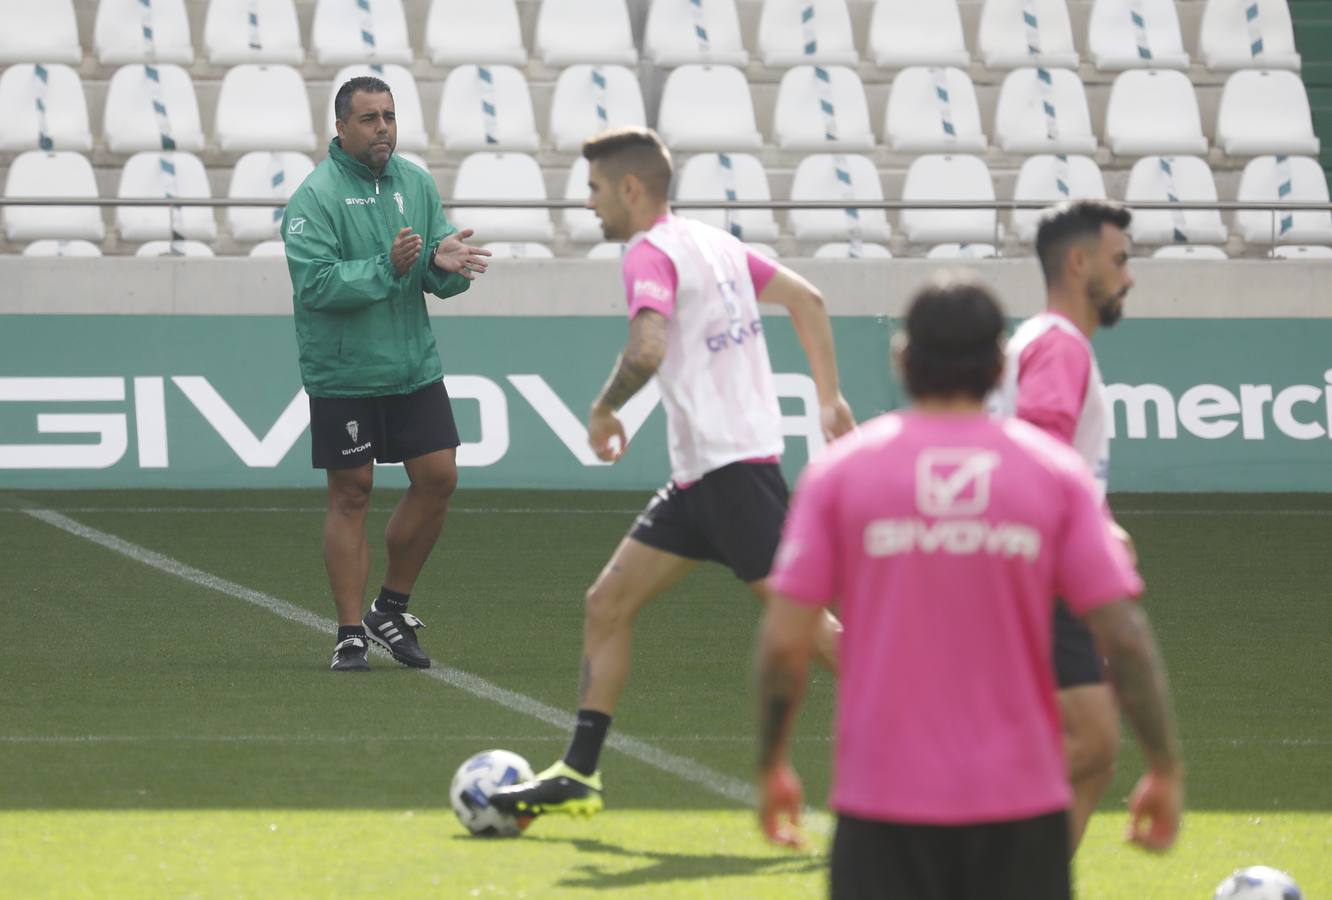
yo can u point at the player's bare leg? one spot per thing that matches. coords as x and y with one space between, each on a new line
418 519
826 639
346 550
1091 744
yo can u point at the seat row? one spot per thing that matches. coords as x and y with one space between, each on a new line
1121 34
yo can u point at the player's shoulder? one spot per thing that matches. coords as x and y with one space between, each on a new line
868 439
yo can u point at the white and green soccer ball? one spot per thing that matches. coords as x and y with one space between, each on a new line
1258 883
478 778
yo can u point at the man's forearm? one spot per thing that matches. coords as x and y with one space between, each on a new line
814 330
626 380
1138 674
781 687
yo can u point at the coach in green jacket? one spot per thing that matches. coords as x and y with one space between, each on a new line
365 237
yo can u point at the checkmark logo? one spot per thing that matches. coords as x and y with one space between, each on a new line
296 226
954 481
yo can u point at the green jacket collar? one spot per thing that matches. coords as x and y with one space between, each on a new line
355 166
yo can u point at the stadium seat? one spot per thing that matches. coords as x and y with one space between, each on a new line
1226 39
50 33
607 250
458 32
918 120
827 176
1183 178
129 122
1153 111
962 251
268 249
782 39
1003 35
1020 121
584 31
581 225
501 176
413 158
120 32
707 108
589 99
800 120
62 248
1189 251
519 250
148 175
1038 180
263 107
1293 251
406 103
174 248
343 34
710 176
843 250
1265 112
273 36
674 37
66 109
948 177
61 173
262 174
1117 41
910 33
1296 179
469 91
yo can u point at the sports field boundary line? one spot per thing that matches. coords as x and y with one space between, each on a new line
688 770
579 511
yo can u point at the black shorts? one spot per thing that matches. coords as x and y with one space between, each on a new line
347 432
732 515
1026 859
1076 662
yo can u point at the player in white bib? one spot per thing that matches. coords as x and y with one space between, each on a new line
693 293
1052 381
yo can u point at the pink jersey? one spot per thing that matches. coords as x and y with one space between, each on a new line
944 539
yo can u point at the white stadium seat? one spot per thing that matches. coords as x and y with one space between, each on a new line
501 176
62 248
581 225
1225 40
66 109
230 37
145 175
262 174
1002 39
584 31
458 31
916 119
607 250
844 250
799 121
463 124
518 250
582 90
910 33
340 31
1038 180
1292 251
174 248
1265 112
1189 180
671 36
816 178
129 122
1190 251
269 249
1020 121
406 103
1296 179
119 33
1153 111
962 251
61 173
50 33
782 34
704 177
707 108
413 158
948 177
1115 40
263 107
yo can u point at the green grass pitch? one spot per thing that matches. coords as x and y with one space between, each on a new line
168 727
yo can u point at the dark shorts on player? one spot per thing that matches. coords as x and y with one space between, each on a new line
346 432
1076 662
732 515
1025 859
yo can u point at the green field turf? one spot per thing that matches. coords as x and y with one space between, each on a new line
175 733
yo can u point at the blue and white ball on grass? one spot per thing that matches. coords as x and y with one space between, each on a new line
1258 883
474 782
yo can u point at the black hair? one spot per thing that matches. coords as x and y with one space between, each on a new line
633 150
367 83
953 331
1064 225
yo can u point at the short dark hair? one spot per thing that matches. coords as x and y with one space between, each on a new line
954 331
633 150
367 83
1064 225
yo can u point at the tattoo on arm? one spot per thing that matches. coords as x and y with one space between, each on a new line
779 692
1140 685
639 361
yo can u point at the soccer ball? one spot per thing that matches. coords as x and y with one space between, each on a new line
1258 883
473 784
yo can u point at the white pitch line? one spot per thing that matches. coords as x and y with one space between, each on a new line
213 510
686 769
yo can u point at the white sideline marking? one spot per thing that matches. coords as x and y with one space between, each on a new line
539 510
686 769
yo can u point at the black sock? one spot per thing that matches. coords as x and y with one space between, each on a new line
391 601
346 631
589 734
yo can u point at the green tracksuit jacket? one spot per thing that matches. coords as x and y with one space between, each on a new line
362 329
